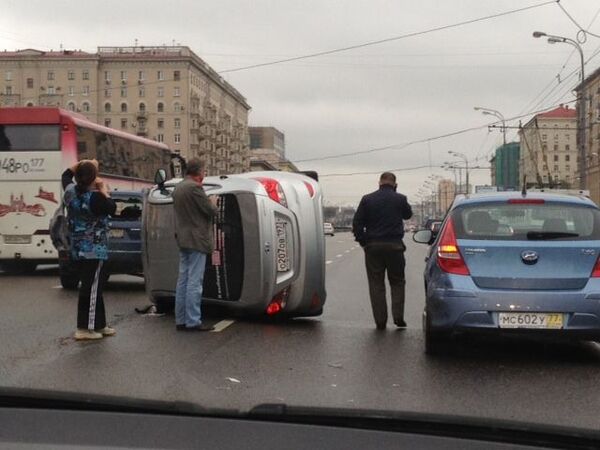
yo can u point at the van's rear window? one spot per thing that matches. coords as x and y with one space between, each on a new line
527 221
22 138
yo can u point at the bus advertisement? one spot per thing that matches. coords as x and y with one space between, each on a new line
36 145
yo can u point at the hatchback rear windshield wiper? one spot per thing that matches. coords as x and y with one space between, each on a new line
541 235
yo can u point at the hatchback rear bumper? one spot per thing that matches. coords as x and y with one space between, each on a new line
451 310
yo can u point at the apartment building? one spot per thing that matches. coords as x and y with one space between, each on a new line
165 93
591 133
548 149
267 145
446 194
506 167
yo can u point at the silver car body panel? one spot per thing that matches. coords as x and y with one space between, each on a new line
303 222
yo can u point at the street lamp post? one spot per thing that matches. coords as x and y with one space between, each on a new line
552 39
466 160
495 113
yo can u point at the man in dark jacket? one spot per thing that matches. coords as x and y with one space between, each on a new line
378 227
194 213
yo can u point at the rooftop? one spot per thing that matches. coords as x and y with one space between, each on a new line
562 112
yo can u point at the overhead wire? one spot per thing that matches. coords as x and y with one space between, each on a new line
390 39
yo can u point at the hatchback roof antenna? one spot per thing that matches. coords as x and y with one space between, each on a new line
524 190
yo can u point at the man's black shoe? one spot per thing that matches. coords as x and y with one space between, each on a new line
200 327
180 327
400 324
380 326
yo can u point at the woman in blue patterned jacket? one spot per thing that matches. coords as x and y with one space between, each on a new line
88 205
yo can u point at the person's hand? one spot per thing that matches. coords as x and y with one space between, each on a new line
214 199
101 186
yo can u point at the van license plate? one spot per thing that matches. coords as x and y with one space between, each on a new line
530 320
283 260
17 239
116 233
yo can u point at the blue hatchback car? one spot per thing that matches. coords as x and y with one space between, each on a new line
508 263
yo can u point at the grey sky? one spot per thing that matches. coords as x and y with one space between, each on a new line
370 97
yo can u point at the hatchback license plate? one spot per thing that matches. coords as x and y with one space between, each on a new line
283 260
530 320
17 239
116 233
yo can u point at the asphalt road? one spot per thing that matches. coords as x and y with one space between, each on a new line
338 359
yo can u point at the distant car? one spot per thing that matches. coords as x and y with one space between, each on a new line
328 229
512 264
124 241
269 257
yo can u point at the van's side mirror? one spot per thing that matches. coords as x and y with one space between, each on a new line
423 236
160 177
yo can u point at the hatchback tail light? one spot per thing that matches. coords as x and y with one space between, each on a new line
278 302
449 258
311 189
274 190
596 270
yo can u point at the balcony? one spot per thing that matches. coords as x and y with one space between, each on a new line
142 114
142 130
10 99
50 99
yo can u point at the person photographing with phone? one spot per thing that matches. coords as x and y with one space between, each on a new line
88 206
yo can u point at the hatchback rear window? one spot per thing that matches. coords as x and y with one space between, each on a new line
128 209
527 221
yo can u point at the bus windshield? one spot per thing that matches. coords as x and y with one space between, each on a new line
29 138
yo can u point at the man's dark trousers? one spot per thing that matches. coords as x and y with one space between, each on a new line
379 258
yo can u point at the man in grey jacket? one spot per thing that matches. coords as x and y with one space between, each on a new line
194 213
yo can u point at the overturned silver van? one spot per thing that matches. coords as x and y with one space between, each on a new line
269 256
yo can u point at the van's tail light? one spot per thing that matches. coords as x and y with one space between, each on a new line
278 302
449 258
596 270
274 190
311 189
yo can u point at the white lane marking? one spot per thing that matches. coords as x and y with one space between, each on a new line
328 262
220 326
57 287
338 256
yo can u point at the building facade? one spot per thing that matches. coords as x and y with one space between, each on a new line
164 93
548 149
446 194
590 91
506 167
267 144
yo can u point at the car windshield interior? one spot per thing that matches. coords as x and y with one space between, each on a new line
505 221
128 209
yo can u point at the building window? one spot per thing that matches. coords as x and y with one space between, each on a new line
555 147
123 107
107 107
29 83
177 139
51 90
544 147
177 123
71 75
176 75
160 123
567 157
123 92
141 75
556 168
123 75
85 75
8 90
545 167
567 148
160 92
86 91
160 137
71 106
545 158
568 168
160 107
544 137
8 76
107 93
176 92
567 136
142 92
160 75
123 123
50 75
556 138
555 158
71 91
107 75
107 122
142 107
85 107
177 107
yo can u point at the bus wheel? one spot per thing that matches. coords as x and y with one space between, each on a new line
18 267
69 281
